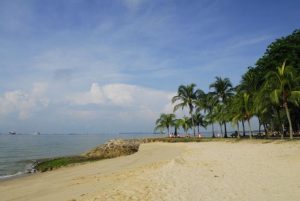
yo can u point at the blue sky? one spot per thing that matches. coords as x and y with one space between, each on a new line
103 66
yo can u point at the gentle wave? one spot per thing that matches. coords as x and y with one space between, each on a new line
12 175
29 169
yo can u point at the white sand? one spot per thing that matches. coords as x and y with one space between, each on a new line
208 171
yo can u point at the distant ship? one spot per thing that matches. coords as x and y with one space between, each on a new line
12 132
36 133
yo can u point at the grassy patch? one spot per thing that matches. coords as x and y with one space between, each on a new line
55 163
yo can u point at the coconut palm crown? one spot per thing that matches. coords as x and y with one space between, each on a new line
165 121
186 97
223 90
199 120
185 123
284 85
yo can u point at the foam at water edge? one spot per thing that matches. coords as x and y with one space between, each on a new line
29 169
12 175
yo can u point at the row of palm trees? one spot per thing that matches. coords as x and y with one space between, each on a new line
268 97
166 121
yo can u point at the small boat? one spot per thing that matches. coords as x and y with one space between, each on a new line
12 133
36 133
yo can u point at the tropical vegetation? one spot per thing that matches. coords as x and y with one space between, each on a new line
269 91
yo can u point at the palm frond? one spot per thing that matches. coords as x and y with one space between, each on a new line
275 96
295 97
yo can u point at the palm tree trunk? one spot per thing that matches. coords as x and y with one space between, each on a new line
168 131
265 129
194 130
221 128
238 129
198 129
272 127
250 128
259 125
280 122
243 124
289 119
225 136
213 130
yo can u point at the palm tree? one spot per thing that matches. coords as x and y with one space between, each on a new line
264 108
285 87
176 124
241 108
248 110
165 121
251 82
210 119
186 124
207 104
198 119
222 90
235 114
187 96
219 115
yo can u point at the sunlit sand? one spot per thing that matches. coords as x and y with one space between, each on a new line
207 171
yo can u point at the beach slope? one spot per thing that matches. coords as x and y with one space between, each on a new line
208 171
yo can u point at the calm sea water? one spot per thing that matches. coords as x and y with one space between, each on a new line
19 152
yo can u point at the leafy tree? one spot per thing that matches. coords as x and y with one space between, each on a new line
177 125
219 115
267 111
186 124
242 107
235 111
285 48
223 90
187 96
248 110
199 120
250 82
285 87
207 104
165 121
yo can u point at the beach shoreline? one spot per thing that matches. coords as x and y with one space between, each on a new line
223 170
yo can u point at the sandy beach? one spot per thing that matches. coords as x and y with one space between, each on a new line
208 171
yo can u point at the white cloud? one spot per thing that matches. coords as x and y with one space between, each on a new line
123 101
22 102
94 96
123 95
